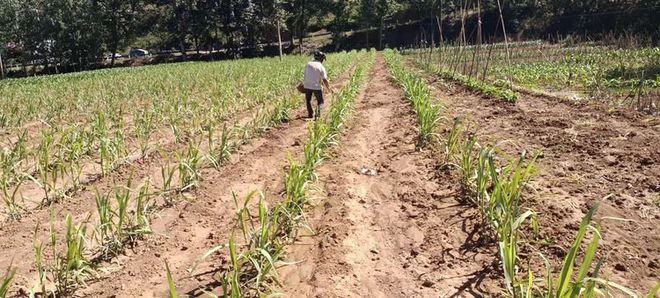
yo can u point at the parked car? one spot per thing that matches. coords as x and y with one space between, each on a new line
116 55
137 53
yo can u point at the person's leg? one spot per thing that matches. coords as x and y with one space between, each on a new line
308 101
319 100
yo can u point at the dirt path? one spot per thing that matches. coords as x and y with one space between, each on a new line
395 231
588 154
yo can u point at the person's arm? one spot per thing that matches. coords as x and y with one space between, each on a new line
325 80
327 85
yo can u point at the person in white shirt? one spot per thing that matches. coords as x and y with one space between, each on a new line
315 74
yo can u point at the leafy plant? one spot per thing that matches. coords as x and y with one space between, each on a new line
428 113
6 281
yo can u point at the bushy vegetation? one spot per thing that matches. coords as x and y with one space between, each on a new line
67 35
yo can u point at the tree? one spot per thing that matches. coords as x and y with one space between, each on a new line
120 21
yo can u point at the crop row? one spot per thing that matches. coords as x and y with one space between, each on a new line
266 231
122 216
67 158
471 81
497 192
627 76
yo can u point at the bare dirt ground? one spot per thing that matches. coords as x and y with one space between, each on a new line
589 155
387 225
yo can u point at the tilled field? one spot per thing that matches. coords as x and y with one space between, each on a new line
588 156
384 215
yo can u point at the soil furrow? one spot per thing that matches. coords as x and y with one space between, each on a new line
388 225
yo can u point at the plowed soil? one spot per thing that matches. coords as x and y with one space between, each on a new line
389 226
589 155
387 220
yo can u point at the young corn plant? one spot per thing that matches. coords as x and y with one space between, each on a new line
74 149
44 156
170 282
189 166
225 148
40 287
11 159
587 282
9 198
453 141
99 127
109 153
144 129
6 281
144 207
209 130
282 112
418 93
175 125
466 166
50 167
261 250
71 269
117 228
9 179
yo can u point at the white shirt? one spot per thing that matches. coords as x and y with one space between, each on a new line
314 74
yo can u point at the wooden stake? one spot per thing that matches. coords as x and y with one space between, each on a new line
506 41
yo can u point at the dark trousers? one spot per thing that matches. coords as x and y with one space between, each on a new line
319 99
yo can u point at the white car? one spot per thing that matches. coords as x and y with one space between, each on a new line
115 55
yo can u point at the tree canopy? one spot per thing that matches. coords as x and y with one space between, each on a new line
77 33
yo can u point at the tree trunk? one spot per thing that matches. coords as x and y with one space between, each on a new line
380 35
112 54
302 26
2 68
279 38
24 64
182 48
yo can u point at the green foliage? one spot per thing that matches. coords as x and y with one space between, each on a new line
120 224
170 282
417 91
502 93
6 282
497 193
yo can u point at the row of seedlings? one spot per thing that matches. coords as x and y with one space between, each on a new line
266 232
124 217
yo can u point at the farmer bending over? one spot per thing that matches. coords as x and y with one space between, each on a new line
315 74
